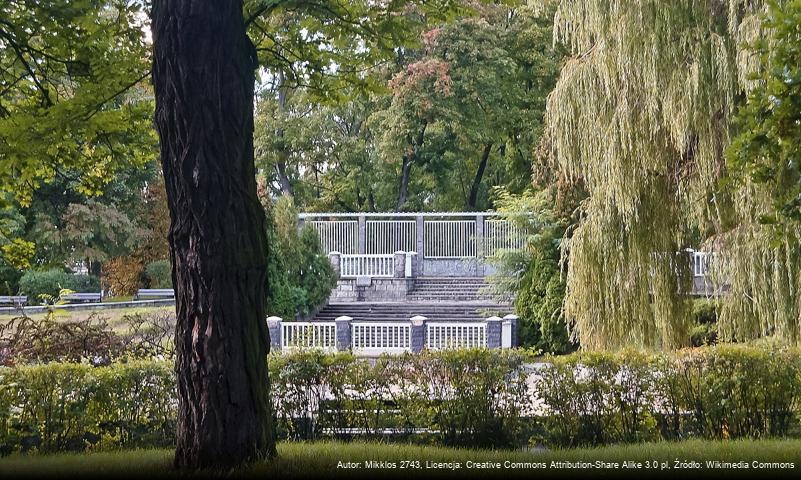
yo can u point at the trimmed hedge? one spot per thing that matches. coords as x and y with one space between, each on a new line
72 407
477 398
459 397
727 391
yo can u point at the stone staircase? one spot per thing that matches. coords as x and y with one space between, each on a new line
453 299
450 289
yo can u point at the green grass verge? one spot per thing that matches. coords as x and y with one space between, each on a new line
322 459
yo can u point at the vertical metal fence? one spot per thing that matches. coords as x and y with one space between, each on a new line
338 235
321 335
502 234
381 337
352 266
450 238
443 335
390 236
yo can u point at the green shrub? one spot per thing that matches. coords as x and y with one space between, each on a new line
704 311
534 273
598 398
725 391
72 407
34 283
461 397
468 397
736 391
705 323
300 274
316 275
159 274
9 279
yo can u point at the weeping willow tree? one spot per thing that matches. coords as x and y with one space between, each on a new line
641 115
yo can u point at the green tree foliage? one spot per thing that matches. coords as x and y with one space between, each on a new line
71 92
35 283
762 244
767 148
468 108
319 149
159 274
330 47
301 275
641 115
535 273
464 104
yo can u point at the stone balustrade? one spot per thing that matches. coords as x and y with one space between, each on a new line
373 338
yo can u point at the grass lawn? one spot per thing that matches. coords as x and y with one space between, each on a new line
321 459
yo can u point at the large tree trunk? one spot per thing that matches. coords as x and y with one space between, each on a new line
482 165
203 73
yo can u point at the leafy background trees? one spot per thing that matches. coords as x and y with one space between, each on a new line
686 123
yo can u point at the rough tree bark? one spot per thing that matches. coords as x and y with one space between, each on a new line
203 74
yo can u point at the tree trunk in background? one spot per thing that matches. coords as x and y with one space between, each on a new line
203 74
283 154
406 165
482 165
403 189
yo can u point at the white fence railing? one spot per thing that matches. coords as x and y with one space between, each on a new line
442 335
502 234
338 235
445 235
321 335
450 238
352 266
701 262
371 338
390 236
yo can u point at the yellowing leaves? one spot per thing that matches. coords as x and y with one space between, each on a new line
18 253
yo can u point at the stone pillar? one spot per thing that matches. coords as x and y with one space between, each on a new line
274 326
480 250
513 320
494 326
343 332
399 265
335 259
410 267
419 246
418 334
362 234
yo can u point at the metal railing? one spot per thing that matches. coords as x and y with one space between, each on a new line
390 236
352 266
372 338
701 262
502 234
444 335
338 236
444 235
450 238
322 335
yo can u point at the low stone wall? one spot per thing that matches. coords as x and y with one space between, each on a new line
456 267
372 290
